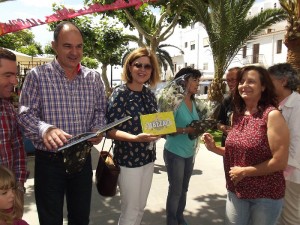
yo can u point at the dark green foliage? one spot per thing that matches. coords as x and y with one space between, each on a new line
22 41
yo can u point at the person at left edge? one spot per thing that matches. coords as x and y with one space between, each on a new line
58 100
12 151
11 204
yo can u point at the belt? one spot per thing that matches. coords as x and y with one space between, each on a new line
50 155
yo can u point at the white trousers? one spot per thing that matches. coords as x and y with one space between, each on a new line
291 206
134 186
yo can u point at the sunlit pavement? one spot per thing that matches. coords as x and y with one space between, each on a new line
205 200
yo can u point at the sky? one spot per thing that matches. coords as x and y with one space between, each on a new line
37 9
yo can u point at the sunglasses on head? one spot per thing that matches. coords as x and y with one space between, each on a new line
141 65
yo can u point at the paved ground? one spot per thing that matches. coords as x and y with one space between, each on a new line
205 200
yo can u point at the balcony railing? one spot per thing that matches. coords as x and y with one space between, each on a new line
257 59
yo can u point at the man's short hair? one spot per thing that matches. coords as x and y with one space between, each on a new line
60 26
234 69
6 54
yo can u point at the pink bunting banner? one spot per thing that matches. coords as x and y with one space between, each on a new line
20 24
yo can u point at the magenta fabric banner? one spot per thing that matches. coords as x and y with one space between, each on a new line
20 24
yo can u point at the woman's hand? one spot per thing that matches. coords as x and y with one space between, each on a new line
96 140
143 137
209 141
236 174
210 144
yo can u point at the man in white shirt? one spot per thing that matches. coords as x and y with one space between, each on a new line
286 80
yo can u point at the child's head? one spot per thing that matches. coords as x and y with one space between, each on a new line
10 204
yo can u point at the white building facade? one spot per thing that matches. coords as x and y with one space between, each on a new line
264 49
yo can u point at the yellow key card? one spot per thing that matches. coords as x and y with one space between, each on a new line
158 123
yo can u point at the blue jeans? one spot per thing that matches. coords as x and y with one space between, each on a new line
179 173
262 211
52 183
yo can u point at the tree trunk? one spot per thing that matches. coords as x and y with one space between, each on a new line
108 89
217 87
215 91
293 54
215 94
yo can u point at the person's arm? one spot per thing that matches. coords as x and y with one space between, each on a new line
19 162
210 144
222 117
100 108
18 151
184 130
124 136
100 104
278 138
29 115
294 127
29 108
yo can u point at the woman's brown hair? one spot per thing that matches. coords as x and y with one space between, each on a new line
268 96
135 54
7 181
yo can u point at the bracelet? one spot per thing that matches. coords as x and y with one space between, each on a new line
183 131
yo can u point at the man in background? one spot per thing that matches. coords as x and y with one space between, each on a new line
226 107
286 80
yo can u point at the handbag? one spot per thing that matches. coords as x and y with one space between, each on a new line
201 126
107 173
78 148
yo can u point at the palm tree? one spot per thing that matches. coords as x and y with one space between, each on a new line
144 21
164 57
229 27
150 26
153 30
292 36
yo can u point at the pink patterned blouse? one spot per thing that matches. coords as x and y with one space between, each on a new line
247 145
20 222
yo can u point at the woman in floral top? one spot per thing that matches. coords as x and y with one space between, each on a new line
255 153
134 150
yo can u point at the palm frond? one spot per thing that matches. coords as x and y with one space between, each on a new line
229 27
173 46
165 58
291 7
